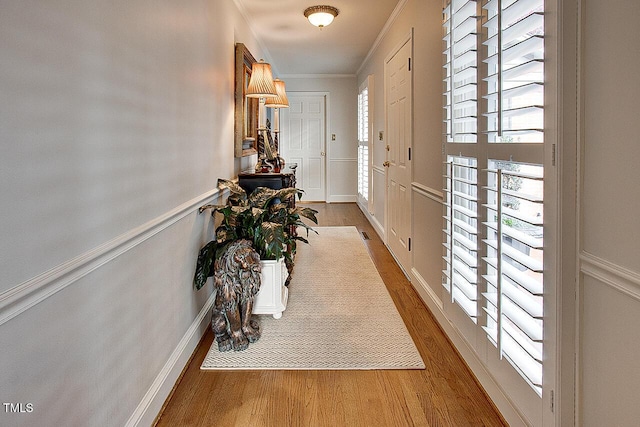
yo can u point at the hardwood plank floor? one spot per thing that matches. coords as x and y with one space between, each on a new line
443 394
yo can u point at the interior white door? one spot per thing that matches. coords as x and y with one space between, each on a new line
303 141
398 200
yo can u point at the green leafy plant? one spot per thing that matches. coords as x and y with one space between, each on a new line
264 217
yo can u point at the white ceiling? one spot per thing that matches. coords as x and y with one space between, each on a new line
297 47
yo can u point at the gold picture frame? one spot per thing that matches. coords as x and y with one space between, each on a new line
246 109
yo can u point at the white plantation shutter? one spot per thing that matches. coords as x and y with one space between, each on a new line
363 143
363 178
515 70
460 69
493 233
513 297
460 275
513 279
363 115
461 234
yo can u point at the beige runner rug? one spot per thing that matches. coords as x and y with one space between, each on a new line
339 315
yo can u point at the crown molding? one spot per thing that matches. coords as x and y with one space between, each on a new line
392 18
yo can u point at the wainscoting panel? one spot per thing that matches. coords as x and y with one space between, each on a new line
379 184
341 177
608 349
24 296
427 239
127 319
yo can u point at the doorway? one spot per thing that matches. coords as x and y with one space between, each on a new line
303 141
398 92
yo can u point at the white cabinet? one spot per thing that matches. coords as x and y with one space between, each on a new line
273 294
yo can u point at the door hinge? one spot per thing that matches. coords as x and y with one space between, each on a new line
409 241
552 401
409 64
409 153
553 154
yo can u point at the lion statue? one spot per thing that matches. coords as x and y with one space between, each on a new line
236 282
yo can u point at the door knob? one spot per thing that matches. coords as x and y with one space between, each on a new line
322 153
386 164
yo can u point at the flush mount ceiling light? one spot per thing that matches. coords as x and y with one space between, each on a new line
321 16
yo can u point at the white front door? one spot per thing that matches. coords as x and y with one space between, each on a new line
398 96
303 136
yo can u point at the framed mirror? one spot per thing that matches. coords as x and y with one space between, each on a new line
246 109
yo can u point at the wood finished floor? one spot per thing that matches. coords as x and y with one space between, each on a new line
444 394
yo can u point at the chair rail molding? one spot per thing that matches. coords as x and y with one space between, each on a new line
613 275
429 192
22 297
378 169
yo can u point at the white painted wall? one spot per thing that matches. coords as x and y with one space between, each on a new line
424 18
609 288
116 121
342 117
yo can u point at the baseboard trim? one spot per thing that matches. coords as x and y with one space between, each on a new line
379 229
346 198
151 404
27 294
499 398
419 280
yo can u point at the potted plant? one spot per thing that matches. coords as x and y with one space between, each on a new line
266 220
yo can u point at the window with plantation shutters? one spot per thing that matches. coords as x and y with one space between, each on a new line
363 143
494 176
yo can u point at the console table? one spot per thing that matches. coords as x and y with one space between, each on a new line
286 178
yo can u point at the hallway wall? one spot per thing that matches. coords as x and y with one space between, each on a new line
423 19
609 285
116 122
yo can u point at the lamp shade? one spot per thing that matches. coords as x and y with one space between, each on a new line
261 82
321 16
280 101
